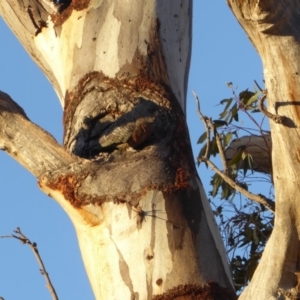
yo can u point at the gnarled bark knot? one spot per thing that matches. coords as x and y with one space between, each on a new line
130 173
275 117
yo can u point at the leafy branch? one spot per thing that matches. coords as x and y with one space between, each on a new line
245 226
225 174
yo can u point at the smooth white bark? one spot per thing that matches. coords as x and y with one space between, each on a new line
101 58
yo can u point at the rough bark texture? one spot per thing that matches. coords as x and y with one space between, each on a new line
273 27
130 186
31 146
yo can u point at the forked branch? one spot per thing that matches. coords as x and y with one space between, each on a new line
269 204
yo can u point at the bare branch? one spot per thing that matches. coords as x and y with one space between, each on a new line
204 119
220 147
33 246
27 143
276 118
257 198
210 126
258 86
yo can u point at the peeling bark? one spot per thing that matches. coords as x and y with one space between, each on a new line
273 28
130 186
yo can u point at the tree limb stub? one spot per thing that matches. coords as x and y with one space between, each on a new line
27 143
275 117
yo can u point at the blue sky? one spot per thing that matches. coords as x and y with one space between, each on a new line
221 53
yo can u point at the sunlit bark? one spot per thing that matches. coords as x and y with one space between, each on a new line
144 225
273 27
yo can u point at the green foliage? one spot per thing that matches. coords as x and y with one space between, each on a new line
218 183
245 225
247 101
254 231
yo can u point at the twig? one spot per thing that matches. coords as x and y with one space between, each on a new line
220 147
210 126
258 86
33 246
257 198
204 119
276 118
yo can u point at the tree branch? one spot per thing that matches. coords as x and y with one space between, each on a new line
257 198
33 246
27 143
204 119
276 118
220 147
210 126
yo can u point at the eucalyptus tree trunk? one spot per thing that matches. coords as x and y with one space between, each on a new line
125 173
273 28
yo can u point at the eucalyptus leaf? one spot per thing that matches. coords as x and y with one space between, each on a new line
245 96
227 138
236 159
219 123
202 138
252 99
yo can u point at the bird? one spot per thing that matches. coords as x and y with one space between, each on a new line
55 6
131 129
61 4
